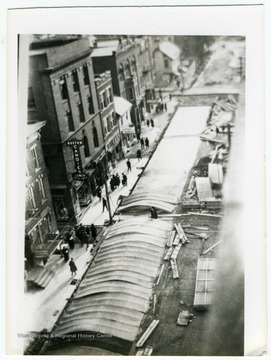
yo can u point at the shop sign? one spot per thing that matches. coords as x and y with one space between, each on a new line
75 145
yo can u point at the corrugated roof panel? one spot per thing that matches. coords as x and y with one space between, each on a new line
115 292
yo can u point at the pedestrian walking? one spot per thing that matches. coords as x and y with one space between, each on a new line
148 122
147 142
99 193
71 242
142 143
93 231
73 267
165 106
112 183
65 253
129 167
138 154
124 179
170 97
104 204
117 180
152 123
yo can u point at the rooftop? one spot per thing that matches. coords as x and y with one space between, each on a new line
169 49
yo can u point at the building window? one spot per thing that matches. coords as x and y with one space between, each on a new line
86 147
109 123
63 88
81 114
111 95
48 222
75 81
35 157
131 93
95 137
41 189
114 117
86 75
31 198
127 70
166 64
69 119
105 99
108 99
90 105
102 101
31 100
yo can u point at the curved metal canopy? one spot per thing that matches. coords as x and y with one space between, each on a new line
115 292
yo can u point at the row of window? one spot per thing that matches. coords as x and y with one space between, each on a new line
106 98
42 193
75 82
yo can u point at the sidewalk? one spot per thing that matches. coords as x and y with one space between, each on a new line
94 214
43 306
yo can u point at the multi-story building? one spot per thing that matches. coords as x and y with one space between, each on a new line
122 109
146 68
120 56
62 92
40 222
167 60
110 126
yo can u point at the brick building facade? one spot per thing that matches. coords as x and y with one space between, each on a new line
62 86
40 222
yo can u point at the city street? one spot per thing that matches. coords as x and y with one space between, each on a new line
165 169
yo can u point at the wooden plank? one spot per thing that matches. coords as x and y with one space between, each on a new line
176 240
168 253
176 251
147 333
160 274
210 248
171 239
174 268
204 188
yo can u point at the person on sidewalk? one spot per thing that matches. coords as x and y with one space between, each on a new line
165 106
73 267
148 122
147 142
138 154
104 204
124 179
152 123
129 167
170 97
142 143
99 193
65 253
93 231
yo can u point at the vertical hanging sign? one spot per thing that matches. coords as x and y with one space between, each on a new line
75 145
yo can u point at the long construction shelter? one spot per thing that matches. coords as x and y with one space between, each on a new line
116 290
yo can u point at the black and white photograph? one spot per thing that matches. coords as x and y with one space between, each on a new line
135 226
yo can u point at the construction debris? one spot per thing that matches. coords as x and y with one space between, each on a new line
174 269
184 318
160 274
171 239
210 248
147 333
168 254
176 251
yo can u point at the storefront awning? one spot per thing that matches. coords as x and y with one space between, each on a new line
128 130
121 105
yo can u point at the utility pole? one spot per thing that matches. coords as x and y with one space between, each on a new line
107 192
